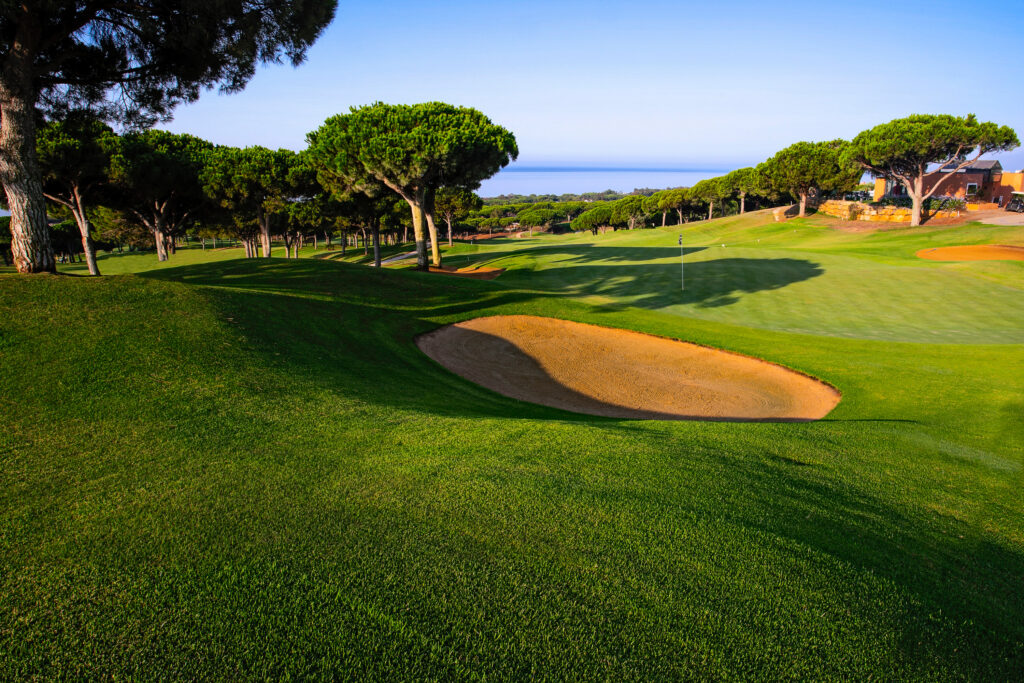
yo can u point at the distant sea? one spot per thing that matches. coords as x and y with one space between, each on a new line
578 179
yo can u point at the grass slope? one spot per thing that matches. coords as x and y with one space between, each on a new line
246 469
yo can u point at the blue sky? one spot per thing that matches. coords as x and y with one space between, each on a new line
676 84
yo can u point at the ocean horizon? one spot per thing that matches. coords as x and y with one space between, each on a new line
570 179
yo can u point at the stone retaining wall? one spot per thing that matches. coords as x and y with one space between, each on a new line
859 211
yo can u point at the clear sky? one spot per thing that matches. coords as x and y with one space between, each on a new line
676 84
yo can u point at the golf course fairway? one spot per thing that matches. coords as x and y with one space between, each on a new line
229 468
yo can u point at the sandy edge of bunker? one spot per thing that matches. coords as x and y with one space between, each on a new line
623 373
973 252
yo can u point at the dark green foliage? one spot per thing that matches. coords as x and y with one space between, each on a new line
804 166
254 182
903 148
593 219
412 147
155 54
157 176
535 218
628 211
808 166
74 154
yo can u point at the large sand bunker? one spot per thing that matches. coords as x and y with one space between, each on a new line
618 373
976 252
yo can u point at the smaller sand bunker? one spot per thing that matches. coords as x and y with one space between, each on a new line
622 374
481 273
975 252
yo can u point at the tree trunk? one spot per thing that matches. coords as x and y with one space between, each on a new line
418 234
159 237
87 245
916 192
366 247
428 212
448 220
680 213
664 217
375 231
264 222
742 203
711 209
19 169
803 204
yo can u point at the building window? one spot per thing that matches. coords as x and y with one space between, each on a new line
972 189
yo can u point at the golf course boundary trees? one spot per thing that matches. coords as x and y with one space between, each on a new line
74 159
255 184
806 166
902 150
453 203
629 211
413 150
744 181
127 61
707 191
156 179
593 219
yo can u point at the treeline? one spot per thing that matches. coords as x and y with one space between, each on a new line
606 196
362 173
902 150
383 170
796 173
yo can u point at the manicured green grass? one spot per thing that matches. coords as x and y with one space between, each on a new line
797 276
246 469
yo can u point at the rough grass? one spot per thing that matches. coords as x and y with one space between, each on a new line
242 469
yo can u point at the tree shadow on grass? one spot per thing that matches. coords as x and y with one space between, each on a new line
297 309
350 330
590 253
639 276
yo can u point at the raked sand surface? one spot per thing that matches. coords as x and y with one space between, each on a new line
619 373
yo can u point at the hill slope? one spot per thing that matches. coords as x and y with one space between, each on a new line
246 469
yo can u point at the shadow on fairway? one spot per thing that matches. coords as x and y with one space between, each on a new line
352 329
953 599
314 313
640 276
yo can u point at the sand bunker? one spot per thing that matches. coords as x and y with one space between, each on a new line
481 273
977 252
618 373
